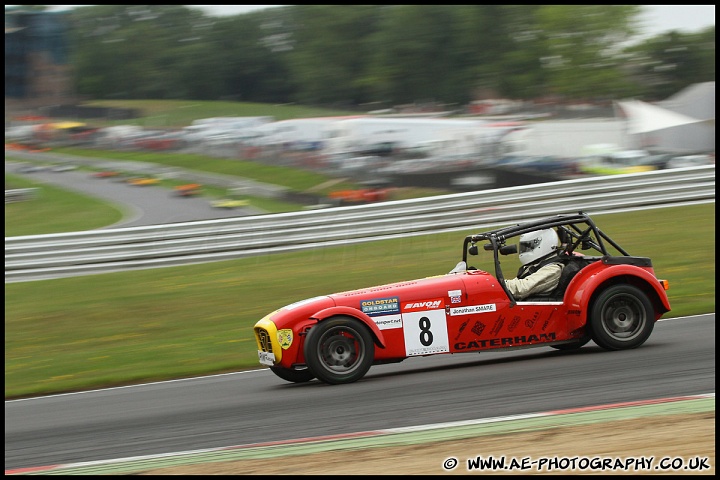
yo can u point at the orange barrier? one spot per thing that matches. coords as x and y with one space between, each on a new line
360 195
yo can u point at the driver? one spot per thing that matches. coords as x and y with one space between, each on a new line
541 268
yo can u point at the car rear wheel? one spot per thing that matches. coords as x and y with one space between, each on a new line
339 350
621 318
295 376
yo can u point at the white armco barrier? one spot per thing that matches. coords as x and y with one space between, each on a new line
38 257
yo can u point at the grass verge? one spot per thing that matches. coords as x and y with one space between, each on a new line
55 210
120 328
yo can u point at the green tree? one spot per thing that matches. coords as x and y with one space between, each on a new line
667 63
126 51
331 51
498 51
413 58
346 56
581 43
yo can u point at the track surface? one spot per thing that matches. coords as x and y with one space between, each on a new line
256 406
148 205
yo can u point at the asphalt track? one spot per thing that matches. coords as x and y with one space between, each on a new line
256 412
390 437
142 205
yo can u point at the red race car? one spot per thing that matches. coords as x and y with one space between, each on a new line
613 299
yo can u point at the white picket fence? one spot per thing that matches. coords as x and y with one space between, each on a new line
38 257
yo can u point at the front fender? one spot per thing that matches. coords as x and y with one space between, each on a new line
352 312
586 283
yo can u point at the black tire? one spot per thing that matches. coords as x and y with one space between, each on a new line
339 350
295 376
621 317
572 346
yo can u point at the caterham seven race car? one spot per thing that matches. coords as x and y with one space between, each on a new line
613 299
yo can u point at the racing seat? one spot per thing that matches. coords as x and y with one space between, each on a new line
573 264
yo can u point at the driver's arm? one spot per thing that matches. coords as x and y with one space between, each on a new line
542 281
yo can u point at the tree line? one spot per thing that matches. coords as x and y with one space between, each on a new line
383 55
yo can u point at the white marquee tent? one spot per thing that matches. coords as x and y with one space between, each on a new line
684 123
645 118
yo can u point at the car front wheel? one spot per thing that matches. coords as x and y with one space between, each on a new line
621 318
339 350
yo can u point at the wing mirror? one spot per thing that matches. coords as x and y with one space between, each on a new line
504 250
508 249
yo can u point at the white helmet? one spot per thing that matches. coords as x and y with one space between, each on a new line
537 244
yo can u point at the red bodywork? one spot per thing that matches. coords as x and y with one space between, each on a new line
458 312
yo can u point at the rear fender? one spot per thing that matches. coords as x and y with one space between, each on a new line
352 312
589 281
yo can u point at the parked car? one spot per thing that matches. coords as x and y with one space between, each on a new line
690 161
658 161
670 160
614 163
605 295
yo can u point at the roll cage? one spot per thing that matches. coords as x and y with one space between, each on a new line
574 230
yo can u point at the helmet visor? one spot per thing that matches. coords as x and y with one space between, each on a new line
529 245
